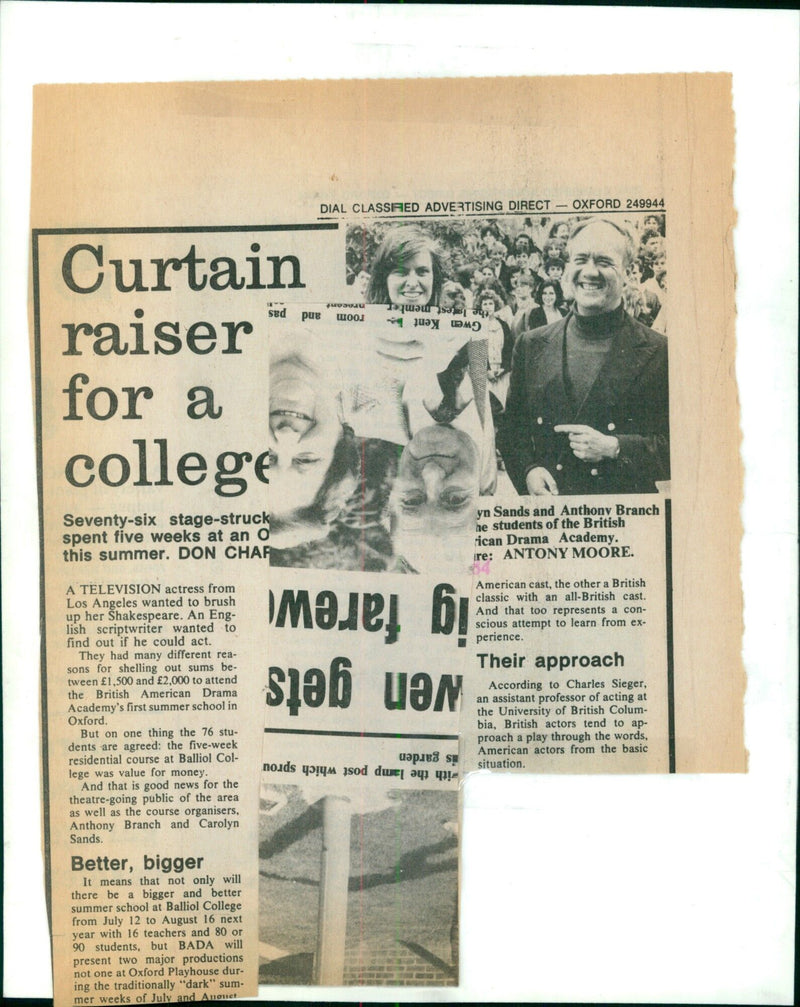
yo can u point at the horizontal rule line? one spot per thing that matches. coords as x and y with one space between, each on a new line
353 219
243 228
361 734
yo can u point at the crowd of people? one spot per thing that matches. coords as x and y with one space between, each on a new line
565 388
516 279
521 261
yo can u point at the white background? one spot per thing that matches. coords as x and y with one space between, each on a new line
599 889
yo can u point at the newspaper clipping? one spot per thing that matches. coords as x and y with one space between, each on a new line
361 469
376 441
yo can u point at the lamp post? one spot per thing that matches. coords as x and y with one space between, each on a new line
329 960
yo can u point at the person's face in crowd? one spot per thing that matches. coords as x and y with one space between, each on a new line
548 297
651 223
535 261
486 306
596 268
411 282
523 293
487 273
635 272
662 281
304 428
522 260
477 279
453 297
498 253
555 271
653 245
562 232
434 498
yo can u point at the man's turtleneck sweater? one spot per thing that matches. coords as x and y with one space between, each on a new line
588 340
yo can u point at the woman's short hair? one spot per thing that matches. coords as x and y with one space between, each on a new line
659 222
487 294
399 245
554 249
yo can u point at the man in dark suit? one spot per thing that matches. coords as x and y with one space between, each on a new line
588 403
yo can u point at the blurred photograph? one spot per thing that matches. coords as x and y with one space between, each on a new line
358 890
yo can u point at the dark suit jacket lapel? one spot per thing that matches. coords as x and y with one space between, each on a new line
548 377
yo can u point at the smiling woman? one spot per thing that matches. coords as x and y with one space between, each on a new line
407 270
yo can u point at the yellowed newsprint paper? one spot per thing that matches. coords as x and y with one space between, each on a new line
386 433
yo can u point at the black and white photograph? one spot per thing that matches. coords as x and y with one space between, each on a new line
574 311
378 467
358 890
